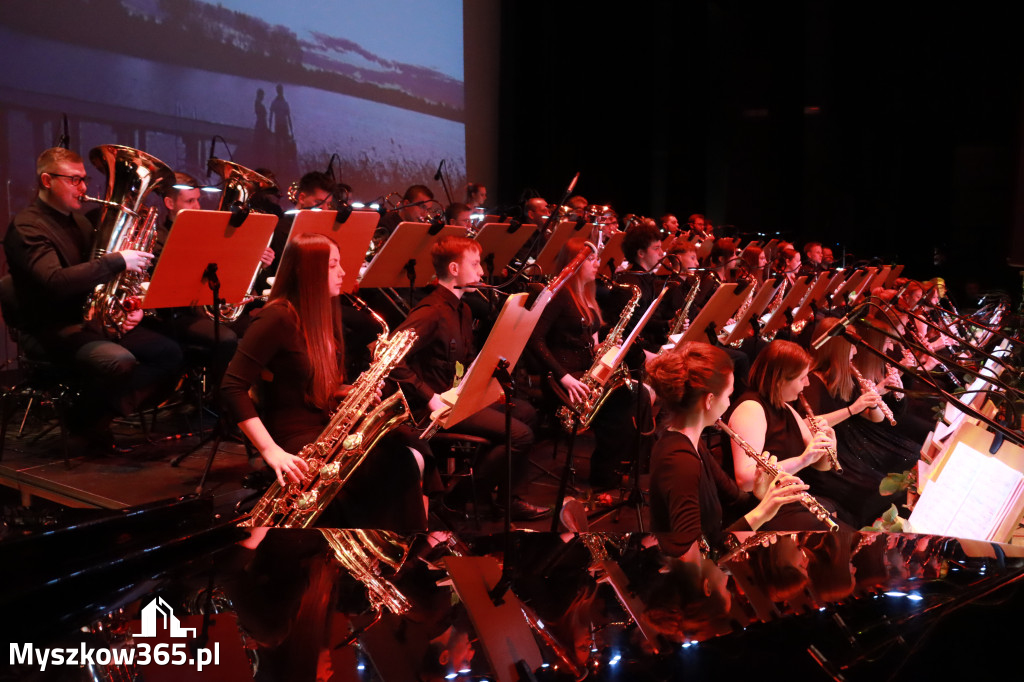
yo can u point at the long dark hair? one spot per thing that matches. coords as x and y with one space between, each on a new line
301 286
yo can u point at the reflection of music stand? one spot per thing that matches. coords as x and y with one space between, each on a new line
405 259
795 295
352 236
502 629
753 312
499 243
715 313
204 255
611 254
564 231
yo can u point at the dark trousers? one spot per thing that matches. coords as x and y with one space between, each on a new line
118 375
491 467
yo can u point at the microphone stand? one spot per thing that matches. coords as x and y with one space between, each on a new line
444 185
1016 438
949 332
974 323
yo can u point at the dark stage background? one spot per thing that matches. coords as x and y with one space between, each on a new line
892 131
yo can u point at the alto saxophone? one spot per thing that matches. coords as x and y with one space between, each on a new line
598 380
765 465
680 319
866 386
354 429
812 424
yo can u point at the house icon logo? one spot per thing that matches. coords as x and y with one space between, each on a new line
159 610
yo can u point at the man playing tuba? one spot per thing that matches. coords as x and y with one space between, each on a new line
48 251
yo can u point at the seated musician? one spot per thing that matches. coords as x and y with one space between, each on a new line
186 325
688 487
295 352
443 349
315 189
764 418
564 343
643 250
414 208
48 247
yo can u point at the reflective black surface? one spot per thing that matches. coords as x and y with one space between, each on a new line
365 605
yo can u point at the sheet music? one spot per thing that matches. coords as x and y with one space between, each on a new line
970 498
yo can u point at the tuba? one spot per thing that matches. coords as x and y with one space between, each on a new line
125 225
240 185
597 379
341 447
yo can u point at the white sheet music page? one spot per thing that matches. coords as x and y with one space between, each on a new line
970 498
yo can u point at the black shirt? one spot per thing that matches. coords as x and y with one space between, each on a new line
444 337
48 253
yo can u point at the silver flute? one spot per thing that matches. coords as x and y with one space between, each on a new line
763 463
866 386
812 424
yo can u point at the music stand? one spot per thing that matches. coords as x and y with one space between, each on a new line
499 243
206 256
564 231
713 316
894 274
404 259
352 236
808 305
828 294
753 312
851 284
795 295
612 255
880 278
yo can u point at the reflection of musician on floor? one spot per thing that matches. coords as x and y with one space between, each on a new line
294 351
48 249
443 325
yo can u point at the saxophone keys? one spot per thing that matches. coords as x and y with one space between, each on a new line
352 441
330 472
306 501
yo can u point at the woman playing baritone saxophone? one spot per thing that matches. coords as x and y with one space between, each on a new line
294 352
764 418
693 384
563 343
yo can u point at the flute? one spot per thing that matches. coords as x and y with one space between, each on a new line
812 424
866 386
764 464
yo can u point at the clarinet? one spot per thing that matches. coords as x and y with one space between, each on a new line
812 424
762 462
866 386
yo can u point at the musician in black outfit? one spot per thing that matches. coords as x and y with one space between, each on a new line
443 350
48 247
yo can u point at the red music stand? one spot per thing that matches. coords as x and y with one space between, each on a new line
715 313
499 243
404 260
564 231
352 236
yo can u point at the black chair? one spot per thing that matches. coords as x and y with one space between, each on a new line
40 382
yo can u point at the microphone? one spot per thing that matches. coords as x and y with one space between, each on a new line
835 331
65 139
213 143
572 185
437 175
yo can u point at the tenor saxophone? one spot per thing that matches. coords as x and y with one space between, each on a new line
812 424
866 386
598 380
765 465
354 429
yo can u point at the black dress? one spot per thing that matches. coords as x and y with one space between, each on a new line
384 492
688 487
784 440
866 450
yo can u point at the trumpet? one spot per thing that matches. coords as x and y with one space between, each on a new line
812 424
866 386
764 464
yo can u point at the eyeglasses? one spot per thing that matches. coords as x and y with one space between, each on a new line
76 180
